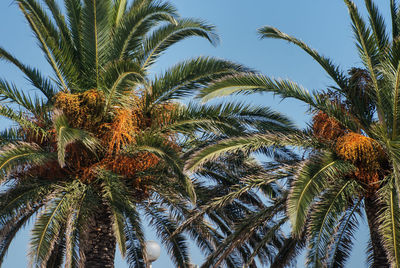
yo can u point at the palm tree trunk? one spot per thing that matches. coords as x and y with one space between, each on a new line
99 242
372 208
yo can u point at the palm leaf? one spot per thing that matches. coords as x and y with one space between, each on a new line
324 218
170 34
67 135
96 27
391 224
334 71
312 178
135 25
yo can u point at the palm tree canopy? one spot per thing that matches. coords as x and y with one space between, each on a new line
352 155
107 138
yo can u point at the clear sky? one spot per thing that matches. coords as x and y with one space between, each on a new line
323 24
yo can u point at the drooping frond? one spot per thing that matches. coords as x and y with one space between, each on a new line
254 83
14 157
67 135
33 75
342 242
334 71
312 178
167 152
325 215
267 143
177 246
49 225
390 228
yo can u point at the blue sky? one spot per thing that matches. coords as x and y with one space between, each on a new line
323 24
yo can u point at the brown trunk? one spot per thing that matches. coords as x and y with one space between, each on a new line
98 241
372 208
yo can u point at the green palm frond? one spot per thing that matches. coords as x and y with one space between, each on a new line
367 48
394 10
325 215
116 194
22 120
290 249
119 9
14 156
156 144
11 93
33 75
267 238
342 243
241 233
73 11
135 25
56 258
96 27
313 178
67 135
60 21
269 144
378 26
177 245
254 83
10 135
117 78
227 119
184 78
334 71
166 36
46 35
48 226
134 241
12 229
390 228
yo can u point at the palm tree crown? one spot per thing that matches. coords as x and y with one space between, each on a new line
351 167
105 142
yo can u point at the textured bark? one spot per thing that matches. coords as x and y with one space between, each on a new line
99 242
372 208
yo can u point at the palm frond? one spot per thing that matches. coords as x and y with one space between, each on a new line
13 228
342 243
334 71
186 77
67 135
135 25
165 226
268 143
159 147
378 26
325 215
11 93
166 36
14 157
48 226
254 83
394 10
390 228
96 27
117 78
32 74
312 178
45 33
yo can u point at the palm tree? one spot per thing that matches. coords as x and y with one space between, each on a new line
351 163
104 143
